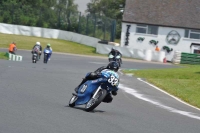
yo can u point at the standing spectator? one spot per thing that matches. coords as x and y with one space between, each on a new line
12 48
157 48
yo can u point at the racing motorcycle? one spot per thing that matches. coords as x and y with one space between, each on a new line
93 92
116 58
47 53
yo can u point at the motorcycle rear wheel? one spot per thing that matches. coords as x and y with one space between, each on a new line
45 58
34 61
93 103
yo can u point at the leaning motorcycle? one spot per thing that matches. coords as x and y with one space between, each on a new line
116 58
47 53
93 92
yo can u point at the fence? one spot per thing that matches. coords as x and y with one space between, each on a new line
91 25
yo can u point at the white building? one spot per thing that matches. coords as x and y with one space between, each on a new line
172 25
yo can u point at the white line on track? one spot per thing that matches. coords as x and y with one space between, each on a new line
170 109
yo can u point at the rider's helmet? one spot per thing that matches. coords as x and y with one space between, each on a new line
38 43
113 66
48 45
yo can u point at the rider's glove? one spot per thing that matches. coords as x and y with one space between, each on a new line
98 75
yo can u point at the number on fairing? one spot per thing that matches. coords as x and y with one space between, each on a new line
113 80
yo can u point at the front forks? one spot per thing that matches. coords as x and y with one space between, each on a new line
95 96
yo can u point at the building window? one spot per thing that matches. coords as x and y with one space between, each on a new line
147 29
193 34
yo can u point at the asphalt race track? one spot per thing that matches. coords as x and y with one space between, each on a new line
34 99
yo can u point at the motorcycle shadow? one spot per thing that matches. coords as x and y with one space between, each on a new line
83 109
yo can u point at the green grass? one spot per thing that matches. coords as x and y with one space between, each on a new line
181 82
27 42
3 55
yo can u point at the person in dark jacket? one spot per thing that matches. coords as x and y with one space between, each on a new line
115 52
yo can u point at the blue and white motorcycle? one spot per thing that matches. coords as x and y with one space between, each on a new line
93 92
47 54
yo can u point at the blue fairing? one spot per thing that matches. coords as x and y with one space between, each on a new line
92 85
48 52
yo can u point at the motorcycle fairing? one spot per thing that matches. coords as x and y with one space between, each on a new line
92 85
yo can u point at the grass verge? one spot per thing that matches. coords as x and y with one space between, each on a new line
180 82
27 42
3 56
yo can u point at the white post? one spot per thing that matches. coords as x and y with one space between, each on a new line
10 56
13 57
18 58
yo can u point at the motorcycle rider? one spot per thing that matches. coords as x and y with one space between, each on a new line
37 48
96 74
115 52
48 47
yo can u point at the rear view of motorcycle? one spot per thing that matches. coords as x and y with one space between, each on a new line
46 55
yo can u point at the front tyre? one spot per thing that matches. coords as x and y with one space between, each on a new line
72 101
93 103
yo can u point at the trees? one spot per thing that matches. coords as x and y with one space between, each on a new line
108 8
41 13
62 14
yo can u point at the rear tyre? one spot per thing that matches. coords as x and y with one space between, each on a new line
72 101
93 103
45 58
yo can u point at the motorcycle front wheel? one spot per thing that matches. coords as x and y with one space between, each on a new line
93 103
72 101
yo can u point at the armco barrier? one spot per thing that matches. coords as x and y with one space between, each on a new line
48 33
13 57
